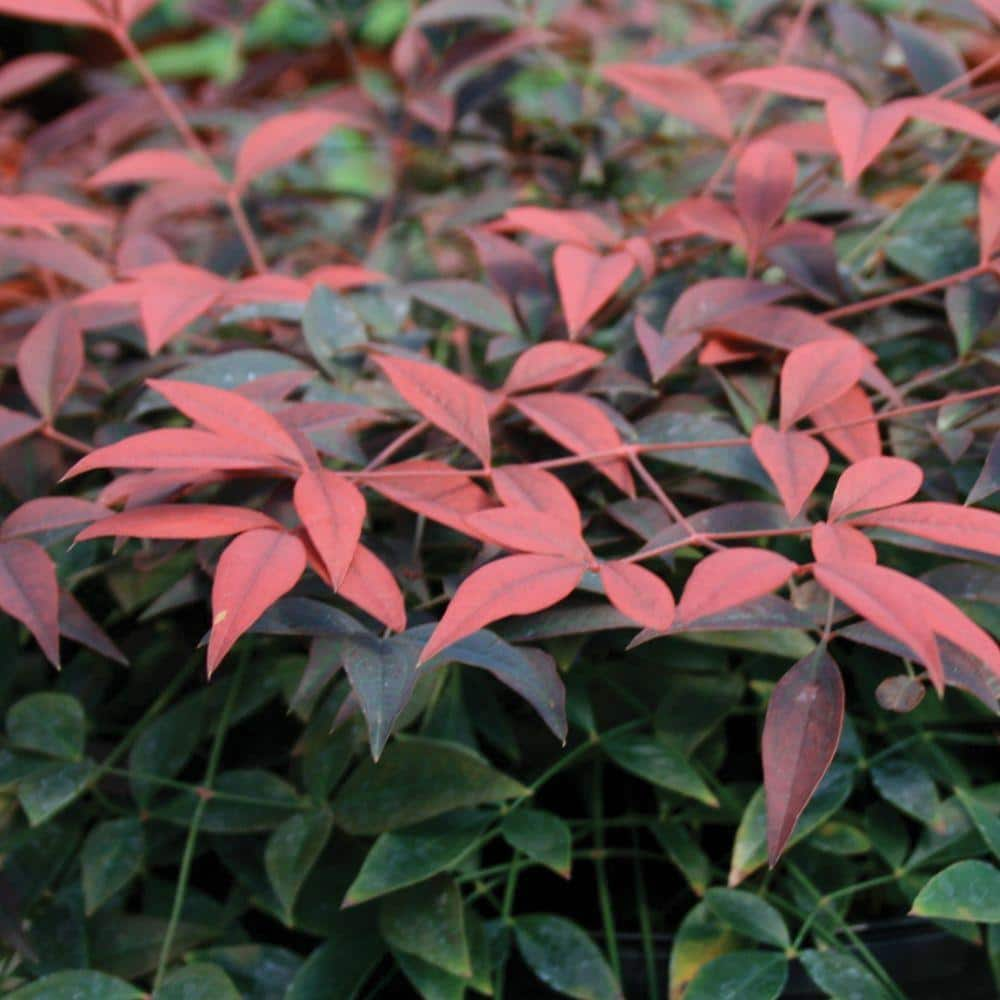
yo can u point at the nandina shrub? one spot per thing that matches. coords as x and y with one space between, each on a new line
640 356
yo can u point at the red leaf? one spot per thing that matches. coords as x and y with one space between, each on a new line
516 585
341 277
281 139
50 361
663 354
711 218
816 374
522 530
861 439
447 400
580 426
951 115
706 303
76 624
795 81
805 715
28 72
678 91
553 361
873 483
75 12
559 225
254 570
183 520
431 488
765 182
860 133
536 489
841 543
638 594
731 577
370 585
586 280
158 165
989 211
29 592
171 296
794 461
886 598
948 523
174 449
509 266
51 514
231 416
332 511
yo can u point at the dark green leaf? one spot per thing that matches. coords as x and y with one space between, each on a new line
49 723
199 981
268 802
430 981
842 976
968 890
988 481
340 967
748 915
908 787
260 972
700 938
428 920
972 307
291 852
43 793
653 760
77 985
415 780
331 327
112 855
984 818
407 857
740 975
564 958
542 836
467 302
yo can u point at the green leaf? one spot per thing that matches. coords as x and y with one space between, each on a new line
700 938
565 958
112 855
415 780
340 967
48 723
199 981
932 236
166 745
740 975
686 853
968 890
269 801
542 836
43 793
428 920
409 856
750 846
908 787
430 981
984 818
291 852
467 302
748 915
262 972
972 307
331 327
77 985
129 944
652 759
840 975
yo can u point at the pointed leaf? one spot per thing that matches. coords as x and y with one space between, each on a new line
536 489
29 592
817 374
873 483
14 426
948 523
50 361
794 461
988 480
51 514
765 181
662 353
332 510
731 577
542 836
428 920
445 399
656 761
676 90
859 437
804 717
758 974
71 12
989 211
516 585
27 72
795 81
586 280
638 594
554 361
254 570
189 520
580 426
967 890
841 543
157 165
292 850
860 133
370 585
466 301
112 856
523 530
